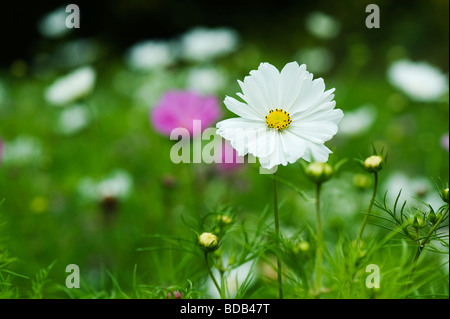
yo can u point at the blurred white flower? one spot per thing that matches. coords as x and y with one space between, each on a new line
206 80
150 54
118 184
53 24
22 150
322 25
201 44
418 80
234 278
358 121
69 88
318 60
414 191
73 119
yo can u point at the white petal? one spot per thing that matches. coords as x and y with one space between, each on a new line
310 93
241 109
291 79
247 136
267 76
317 153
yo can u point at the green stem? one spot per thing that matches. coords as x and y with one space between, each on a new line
277 234
375 186
422 244
319 241
212 276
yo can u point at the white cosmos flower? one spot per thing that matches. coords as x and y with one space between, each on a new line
200 44
206 80
72 86
419 80
73 119
118 184
358 121
150 54
53 25
286 116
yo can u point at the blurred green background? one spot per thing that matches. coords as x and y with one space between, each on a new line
48 219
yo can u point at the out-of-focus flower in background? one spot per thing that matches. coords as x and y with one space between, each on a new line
420 81
180 108
445 141
413 190
118 184
319 60
53 24
151 54
358 121
203 44
234 278
73 119
205 80
322 25
71 87
24 149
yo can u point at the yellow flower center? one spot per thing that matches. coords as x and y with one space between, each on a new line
278 119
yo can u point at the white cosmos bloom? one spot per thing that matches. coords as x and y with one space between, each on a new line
53 25
24 149
71 87
118 184
206 80
358 121
200 44
150 54
419 80
286 116
322 25
414 191
73 119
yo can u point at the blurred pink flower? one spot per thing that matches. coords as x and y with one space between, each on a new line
180 108
228 160
445 141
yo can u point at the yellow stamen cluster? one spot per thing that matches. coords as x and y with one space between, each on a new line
278 119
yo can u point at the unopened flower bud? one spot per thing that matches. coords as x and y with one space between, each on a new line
432 216
208 242
373 163
444 194
417 221
361 181
224 219
302 246
319 172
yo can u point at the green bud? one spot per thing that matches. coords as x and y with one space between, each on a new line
302 246
444 194
432 216
373 163
319 172
417 221
362 181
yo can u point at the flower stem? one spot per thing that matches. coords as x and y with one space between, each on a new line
319 241
422 244
212 276
277 234
369 209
